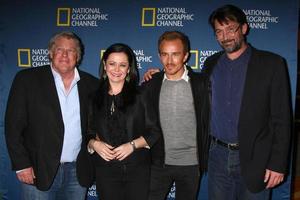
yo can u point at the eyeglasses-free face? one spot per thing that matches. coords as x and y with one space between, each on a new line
116 67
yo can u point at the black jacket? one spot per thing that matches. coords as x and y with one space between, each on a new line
34 127
265 117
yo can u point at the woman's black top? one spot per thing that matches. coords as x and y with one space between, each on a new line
115 120
116 124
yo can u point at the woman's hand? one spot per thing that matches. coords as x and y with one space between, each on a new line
123 151
103 149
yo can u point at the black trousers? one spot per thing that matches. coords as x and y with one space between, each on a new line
186 180
123 182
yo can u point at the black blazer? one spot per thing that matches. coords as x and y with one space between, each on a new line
265 117
34 127
140 121
199 86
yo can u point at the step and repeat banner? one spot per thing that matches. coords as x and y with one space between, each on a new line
26 27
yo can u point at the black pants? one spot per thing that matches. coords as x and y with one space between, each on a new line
186 180
123 182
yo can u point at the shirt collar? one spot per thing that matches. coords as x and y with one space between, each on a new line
184 76
57 76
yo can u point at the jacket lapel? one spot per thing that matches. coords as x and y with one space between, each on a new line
156 90
83 101
48 83
250 86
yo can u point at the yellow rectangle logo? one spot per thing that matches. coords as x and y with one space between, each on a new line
24 58
63 16
148 16
194 56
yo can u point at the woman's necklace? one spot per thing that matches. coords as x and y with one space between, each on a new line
113 92
112 107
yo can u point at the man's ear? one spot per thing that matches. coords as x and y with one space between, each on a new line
186 56
50 55
245 29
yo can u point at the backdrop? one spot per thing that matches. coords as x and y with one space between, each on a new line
26 27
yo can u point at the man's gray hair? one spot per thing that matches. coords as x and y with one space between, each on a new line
68 35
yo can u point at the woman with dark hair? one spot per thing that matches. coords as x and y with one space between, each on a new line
121 129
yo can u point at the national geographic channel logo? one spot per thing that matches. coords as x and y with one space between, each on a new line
198 57
33 57
141 57
166 16
259 19
80 17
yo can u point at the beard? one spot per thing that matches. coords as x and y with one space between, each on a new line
231 46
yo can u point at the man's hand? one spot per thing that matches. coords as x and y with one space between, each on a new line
273 178
26 175
149 73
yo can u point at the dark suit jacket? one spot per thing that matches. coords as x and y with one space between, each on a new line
140 120
34 127
264 120
199 86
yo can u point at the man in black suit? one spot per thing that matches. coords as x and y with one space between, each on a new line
45 120
250 113
180 98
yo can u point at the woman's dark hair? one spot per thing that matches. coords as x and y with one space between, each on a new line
121 48
129 89
227 13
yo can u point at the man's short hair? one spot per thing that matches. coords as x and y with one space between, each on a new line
68 35
227 13
173 35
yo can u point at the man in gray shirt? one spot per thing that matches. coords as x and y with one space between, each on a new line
180 97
